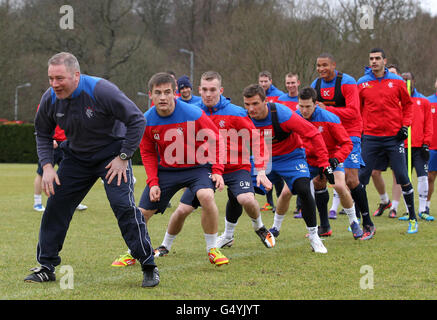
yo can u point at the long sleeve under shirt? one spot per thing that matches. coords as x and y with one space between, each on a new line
298 127
96 115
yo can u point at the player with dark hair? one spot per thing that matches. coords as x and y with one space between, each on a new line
288 155
337 92
238 131
386 108
421 137
432 168
185 161
339 146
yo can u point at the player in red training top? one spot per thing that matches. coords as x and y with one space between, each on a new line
432 165
386 109
186 141
339 146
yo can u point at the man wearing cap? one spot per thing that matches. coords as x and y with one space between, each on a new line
185 89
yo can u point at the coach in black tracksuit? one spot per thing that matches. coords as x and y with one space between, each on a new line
103 128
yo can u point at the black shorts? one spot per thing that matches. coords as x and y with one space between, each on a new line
238 182
171 181
374 148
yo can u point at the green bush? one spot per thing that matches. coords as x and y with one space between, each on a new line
18 145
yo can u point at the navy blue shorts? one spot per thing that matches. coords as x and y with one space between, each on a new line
288 167
432 164
238 182
382 162
373 148
171 181
418 162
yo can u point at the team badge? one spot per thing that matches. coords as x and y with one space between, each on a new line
89 112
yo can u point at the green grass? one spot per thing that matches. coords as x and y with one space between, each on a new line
404 266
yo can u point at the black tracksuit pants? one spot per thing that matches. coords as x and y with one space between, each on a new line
77 175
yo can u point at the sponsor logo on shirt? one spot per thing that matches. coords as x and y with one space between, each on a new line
327 93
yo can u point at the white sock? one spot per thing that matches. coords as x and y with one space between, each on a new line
168 240
335 201
257 223
428 204
422 189
350 212
211 241
37 199
277 221
229 229
384 198
312 231
394 205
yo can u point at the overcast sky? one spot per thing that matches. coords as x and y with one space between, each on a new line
430 5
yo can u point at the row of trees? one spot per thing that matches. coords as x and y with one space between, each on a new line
129 40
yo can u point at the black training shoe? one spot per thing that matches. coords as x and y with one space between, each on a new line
392 214
324 231
161 251
266 237
382 207
40 275
150 276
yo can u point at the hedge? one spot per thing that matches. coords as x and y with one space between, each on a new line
18 145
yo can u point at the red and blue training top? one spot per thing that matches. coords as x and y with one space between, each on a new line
238 132
335 136
433 101
385 103
349 113
273 93
421 128
291 102
185 139
291 122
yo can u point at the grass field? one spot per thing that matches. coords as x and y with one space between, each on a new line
400 266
